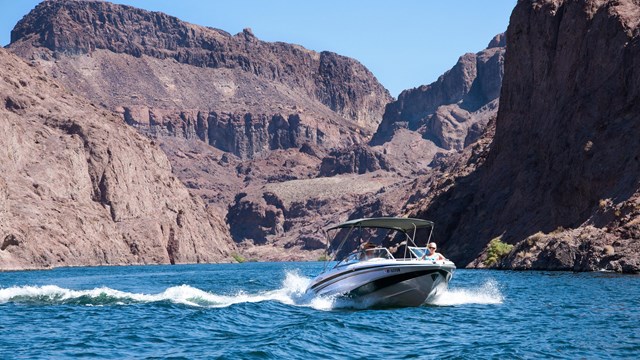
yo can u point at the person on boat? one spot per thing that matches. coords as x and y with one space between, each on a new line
431 253
367 251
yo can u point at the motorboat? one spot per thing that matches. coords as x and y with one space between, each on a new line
372 276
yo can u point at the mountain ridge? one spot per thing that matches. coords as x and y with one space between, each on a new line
283 144
82 27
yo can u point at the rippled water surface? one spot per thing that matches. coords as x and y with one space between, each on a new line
258 310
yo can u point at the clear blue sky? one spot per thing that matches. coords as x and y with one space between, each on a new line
405 43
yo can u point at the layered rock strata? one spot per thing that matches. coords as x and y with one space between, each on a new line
358 159
290 215
171 77
269 112
237 115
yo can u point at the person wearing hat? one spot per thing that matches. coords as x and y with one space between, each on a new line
431 253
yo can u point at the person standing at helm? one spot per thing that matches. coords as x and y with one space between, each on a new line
431 253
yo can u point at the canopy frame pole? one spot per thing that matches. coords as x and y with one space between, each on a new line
406 245
413 239
326 255
430 233
335 254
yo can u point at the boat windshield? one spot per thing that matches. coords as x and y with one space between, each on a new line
418 251
367 255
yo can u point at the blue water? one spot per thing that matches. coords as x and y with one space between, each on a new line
258 310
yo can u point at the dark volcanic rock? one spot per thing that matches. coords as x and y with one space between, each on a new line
583 249
565 153
279 108
80 187
290 215
255 220
245 135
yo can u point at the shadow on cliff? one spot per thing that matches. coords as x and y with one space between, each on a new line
565 149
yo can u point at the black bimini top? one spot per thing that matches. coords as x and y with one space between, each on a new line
394 223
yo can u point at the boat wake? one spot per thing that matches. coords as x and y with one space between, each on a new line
487 293
292 292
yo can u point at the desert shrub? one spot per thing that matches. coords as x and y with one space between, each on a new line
497 250
603 203
323 257
238 258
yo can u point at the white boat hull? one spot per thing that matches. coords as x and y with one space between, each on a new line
385 283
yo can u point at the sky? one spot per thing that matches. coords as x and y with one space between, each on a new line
404 43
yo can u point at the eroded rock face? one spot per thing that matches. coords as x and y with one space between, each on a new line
270 113
583 249
565 154
170 76
80 187
245 135
233 113
357 159
444 111
256 219
290 215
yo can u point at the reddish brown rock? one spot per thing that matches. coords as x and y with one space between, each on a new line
171 77
565 153
586 248
270 112
357 159
444 117
80 187
288 217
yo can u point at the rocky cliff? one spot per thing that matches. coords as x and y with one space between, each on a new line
80 187
357 159
284 220
175 78
561 177
452 111
234 114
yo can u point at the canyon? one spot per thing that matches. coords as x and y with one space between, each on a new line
272 136
531 142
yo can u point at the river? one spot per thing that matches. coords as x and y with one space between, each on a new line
259 311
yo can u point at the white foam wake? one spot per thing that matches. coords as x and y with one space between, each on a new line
487 293
51 294
292 292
